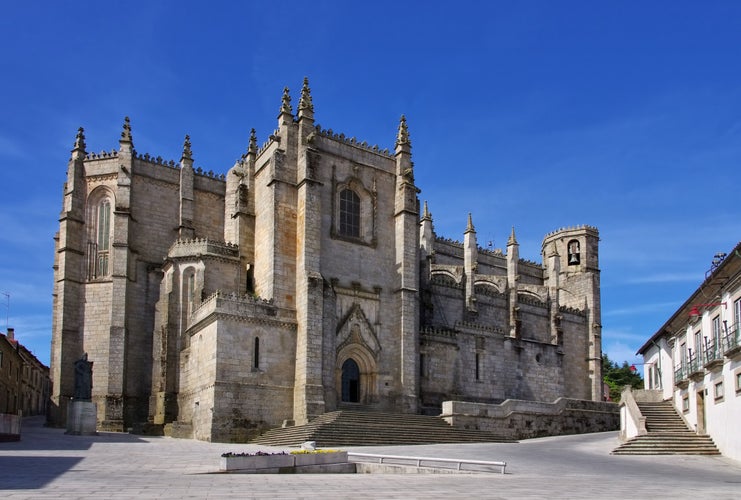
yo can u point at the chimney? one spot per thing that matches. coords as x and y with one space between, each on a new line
11 333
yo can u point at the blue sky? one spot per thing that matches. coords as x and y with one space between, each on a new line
533 114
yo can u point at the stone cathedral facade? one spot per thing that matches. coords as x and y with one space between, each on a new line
306 279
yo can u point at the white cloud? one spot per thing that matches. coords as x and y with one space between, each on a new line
620 351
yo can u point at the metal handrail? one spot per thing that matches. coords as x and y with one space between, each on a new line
418 460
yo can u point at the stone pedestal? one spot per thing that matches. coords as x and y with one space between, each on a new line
81 418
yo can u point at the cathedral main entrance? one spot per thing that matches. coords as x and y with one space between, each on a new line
350 381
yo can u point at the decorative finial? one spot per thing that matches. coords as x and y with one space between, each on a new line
252 148
286 102
512 240
305 103
403 136
126 133
426 212
469 227
187 153
80 140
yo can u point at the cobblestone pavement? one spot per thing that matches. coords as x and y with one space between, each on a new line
46 463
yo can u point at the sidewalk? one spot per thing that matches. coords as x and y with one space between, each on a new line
46 463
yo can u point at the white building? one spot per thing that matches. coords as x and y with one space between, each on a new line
694 359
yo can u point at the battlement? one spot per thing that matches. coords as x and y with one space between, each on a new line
583 227
352 141
203 246
103 155
232 304
146 157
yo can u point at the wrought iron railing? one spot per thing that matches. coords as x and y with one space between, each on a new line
694 364
732 339
680 373
712 351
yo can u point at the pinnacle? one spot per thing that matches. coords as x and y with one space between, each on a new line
187 153
285 106
512 240
469 227
403 135
80 140
126 132
305 104
252 148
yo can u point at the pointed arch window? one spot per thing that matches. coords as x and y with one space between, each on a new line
99 241
349 213
103 237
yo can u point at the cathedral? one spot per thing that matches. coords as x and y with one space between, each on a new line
305 279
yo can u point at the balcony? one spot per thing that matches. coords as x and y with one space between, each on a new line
695 370
713 356
680 376
732 342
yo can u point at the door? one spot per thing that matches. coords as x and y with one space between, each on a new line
350 382
701 411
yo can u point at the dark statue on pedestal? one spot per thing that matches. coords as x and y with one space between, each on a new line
83 379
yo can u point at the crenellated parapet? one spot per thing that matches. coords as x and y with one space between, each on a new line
352 141
274 137
239 307
475 327
202 246
573 310
158 160
583 227
438 332
496 252
103 155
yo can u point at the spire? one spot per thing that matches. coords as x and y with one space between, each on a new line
426 215
402 137
126 132
187 153
305 105
469 227
512 240
285 106
80 140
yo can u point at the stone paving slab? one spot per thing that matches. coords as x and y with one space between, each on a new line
46 463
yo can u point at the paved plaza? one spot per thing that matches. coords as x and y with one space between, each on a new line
46 463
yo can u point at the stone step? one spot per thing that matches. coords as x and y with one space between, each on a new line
668 434
362 428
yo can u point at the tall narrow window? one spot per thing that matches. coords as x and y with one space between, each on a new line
256 355
103 234
478 366
715 346
698 346
349 213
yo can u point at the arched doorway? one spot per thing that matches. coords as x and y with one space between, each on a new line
350 381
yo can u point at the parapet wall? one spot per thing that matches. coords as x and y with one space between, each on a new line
517 419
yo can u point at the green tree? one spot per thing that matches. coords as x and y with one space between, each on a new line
618 376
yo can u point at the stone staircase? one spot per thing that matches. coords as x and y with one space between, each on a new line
372 428
667 435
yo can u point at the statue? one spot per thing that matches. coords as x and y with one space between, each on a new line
83 379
